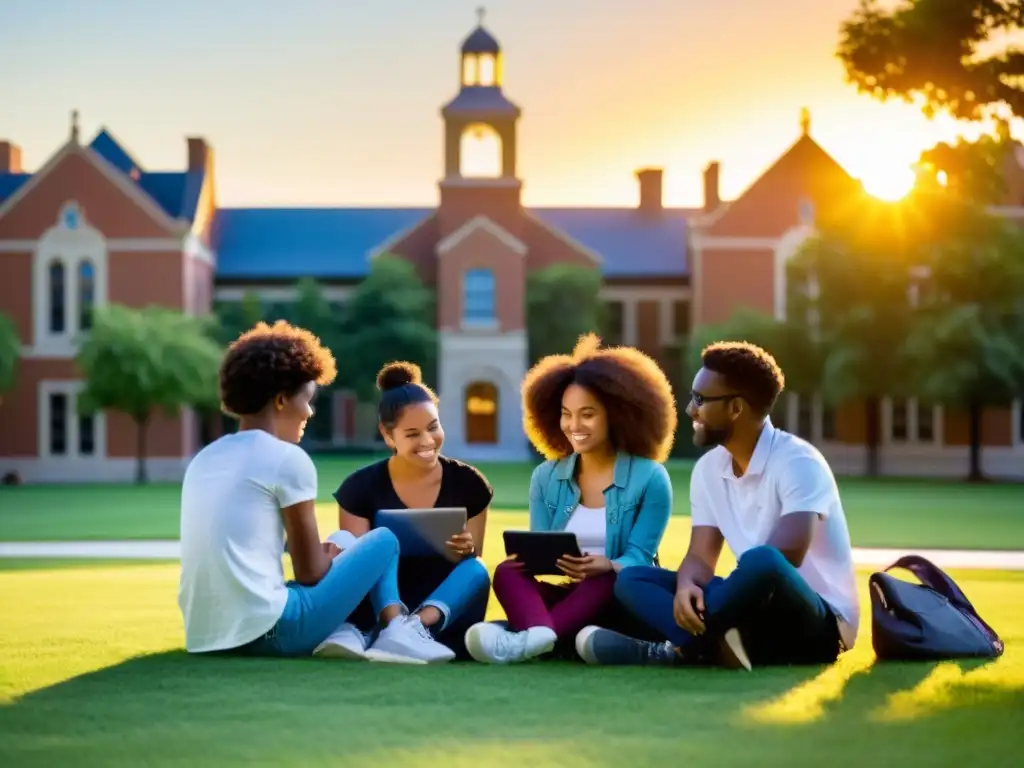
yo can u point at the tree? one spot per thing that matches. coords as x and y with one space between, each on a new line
967 348
391 315
236 317
563 302
791 342
972 170
138 361
10 351
946 54
854 278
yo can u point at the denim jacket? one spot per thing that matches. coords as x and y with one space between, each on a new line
638 504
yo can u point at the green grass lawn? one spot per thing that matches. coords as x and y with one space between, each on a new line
886 512
92 672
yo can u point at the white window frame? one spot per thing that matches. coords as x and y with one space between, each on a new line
71 389
480 323
71 247
913 411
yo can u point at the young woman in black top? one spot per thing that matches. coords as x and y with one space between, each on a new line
449 598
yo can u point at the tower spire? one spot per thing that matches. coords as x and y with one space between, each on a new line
480 13
74 125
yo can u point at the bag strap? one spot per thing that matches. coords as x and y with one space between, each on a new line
935 578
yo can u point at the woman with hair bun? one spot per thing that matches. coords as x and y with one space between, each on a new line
605 420
448 598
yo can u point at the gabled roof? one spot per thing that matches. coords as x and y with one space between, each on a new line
175 192
107 147
11 183
286 243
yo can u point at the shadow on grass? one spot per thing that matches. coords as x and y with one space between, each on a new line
171 708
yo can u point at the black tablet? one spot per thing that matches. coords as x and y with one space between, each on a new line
538 551
424 532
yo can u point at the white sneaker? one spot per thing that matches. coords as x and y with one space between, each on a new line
491 644
406 640
346 642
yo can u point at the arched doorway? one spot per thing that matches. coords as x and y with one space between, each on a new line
481 409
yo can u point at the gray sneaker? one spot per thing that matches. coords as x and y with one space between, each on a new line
603 646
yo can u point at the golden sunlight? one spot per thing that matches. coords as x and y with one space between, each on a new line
890 183
807 702
480 152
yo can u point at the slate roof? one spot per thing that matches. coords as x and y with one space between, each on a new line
480 99
286 243
480 41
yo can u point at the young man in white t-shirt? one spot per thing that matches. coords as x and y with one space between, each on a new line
769 495
242 494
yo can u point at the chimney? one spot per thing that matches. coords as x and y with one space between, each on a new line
199 154
650 189
10 158
711 198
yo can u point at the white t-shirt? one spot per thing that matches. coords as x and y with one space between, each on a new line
232 587
588 523
786 474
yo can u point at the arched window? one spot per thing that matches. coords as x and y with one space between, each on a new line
86 293
58 300
481 411
478 297
480 152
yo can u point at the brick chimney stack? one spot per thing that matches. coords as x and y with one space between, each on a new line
650 189
10 158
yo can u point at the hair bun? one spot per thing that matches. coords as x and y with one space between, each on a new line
397 374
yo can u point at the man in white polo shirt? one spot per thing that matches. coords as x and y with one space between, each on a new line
772 497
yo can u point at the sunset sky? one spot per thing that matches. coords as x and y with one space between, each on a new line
335 102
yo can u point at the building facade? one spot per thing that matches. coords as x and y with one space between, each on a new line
92 225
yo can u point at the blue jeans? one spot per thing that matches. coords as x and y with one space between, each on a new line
780 618
460 592
369 567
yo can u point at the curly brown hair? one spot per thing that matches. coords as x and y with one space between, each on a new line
632 387
267 360
747 369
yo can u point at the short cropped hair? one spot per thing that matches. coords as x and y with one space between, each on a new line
267 360
747 369
632 387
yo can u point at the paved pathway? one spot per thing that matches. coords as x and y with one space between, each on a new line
171 550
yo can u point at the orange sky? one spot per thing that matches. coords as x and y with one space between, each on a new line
317 103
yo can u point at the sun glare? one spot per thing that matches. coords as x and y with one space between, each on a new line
889 184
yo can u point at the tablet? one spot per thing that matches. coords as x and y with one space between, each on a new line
423 532
539 550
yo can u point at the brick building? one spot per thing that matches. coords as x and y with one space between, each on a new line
93 225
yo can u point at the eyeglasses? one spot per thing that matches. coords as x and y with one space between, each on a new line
698 399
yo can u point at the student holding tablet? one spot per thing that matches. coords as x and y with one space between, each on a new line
605 420
448 594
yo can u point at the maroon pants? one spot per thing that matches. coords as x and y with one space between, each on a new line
564 608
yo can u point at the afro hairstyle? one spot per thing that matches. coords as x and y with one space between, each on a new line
632 387
267 360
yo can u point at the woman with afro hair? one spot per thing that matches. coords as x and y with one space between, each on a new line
605 420
245 491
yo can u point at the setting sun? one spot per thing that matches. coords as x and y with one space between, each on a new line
890 184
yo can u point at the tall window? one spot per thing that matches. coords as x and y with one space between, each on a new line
925 423
86 435
478 297
805 417
58 424
86 294
900 421
681 320
480 152
58 305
